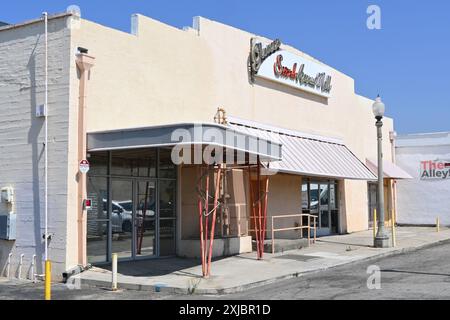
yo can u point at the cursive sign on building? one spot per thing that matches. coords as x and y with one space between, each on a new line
284 67
258 53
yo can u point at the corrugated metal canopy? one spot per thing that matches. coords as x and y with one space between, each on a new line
309 155
390 170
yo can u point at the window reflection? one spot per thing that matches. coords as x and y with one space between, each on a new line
98 163
166 167
167 237
134 163
97 219
305 196
122 217
314 196
167 198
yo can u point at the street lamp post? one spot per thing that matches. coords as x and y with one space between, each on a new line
382 238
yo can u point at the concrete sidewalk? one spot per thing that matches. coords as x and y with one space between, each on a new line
238 273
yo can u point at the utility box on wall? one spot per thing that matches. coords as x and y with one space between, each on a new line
8 227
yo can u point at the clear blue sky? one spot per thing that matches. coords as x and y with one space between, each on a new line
407 61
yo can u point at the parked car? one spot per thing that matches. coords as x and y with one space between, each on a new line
122 216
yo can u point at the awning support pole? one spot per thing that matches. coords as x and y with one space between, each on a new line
266 197
252 203
203 209
214 213
261 240
206 213
259 201
200 215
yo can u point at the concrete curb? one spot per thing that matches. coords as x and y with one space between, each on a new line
237 289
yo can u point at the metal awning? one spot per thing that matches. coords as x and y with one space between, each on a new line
309 155
390 170
185 134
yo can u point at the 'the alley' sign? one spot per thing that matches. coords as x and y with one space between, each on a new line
430 170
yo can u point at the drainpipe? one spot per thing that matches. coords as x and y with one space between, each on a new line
84 63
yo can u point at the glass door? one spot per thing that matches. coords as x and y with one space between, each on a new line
146 219
167 217
97 220
122 218
320 198
314 201
334 207
324 209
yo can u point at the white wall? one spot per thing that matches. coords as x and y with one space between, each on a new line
421 201
22 137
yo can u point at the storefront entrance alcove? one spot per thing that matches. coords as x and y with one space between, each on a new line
133 205
320 198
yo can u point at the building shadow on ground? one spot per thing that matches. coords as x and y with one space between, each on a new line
158 267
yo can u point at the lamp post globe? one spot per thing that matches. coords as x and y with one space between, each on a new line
378 108
382 239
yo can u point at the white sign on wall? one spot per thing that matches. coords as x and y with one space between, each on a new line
84 166
284 67
434 170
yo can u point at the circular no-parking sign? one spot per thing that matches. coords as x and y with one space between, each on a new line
84 166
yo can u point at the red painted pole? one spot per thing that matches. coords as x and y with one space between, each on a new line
261 244
200 212
255 225
216 200
207 216
266 197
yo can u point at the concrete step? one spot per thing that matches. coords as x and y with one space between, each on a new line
282 245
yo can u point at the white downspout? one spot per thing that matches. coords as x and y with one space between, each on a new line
46 137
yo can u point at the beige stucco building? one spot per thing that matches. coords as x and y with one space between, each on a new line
131 85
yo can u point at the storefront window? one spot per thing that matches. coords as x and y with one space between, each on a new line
142 198
147 163
98 163
134 163
314 197
166 167
123 164
167 237
305 197
324 208
97 219
167 198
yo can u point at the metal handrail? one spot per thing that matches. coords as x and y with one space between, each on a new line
301 227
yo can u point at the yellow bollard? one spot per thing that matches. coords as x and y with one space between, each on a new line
114 272
48 280
438 224
374 223
394 232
